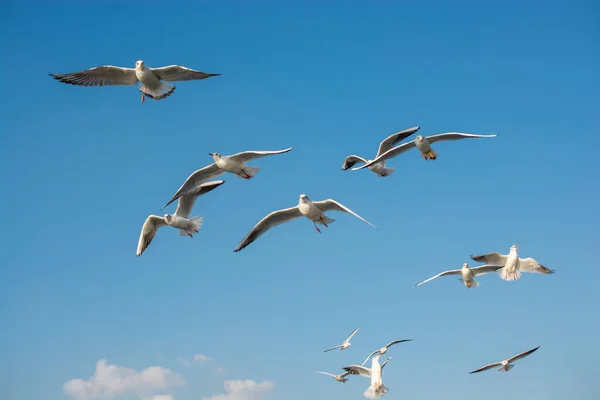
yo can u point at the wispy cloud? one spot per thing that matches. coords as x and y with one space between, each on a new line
201 358
244 390
109 381
162 397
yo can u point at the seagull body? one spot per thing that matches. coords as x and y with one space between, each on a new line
511 265
376 389
340 378
233 164
179 220
388 143
468 274
384 350
315 211
150 79
505 365
423 144
344 345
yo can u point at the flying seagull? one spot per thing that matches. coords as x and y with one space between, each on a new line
423 144
468 274
511 265
505 365
313 210
344 345
384 350
179 220
152 79
233 164
387 144
340 378
376 389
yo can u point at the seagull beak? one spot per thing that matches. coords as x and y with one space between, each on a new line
211 154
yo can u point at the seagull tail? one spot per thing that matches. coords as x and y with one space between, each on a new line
162 92
249 171
328 220
473 284
507 275
372 392
508 368
385 172
196 224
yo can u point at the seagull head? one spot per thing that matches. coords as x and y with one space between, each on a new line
465 265
214 155
303 198
514 247
139 64
419 139
168 218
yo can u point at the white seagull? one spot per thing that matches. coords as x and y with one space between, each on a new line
376 389
179 220
313 210
511 265
233 164
150 78
387 144
505 365
344 345
424 145
384 350
340 378
468 274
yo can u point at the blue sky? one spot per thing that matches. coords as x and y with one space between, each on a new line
83 167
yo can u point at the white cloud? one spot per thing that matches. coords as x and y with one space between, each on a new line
201 358
110 381
162 397
183 361
243 390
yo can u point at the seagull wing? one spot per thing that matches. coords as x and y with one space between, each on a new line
485 269
352 160
455 136
385 362
449 272
106 75
197 177
332 205
172 73
404 147
246 156
325 373
522 355
389 142
491 258
530 265
393 342
350 337
186 202
370 355
153 222
485 368
358 370
275 218
332 348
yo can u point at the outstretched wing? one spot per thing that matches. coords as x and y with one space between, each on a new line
393 342
332 348
246 156
325 373
485 368
485 269
352 160
404 147
149 229
389 142
173 73
358 370
332 205
350 337
455 136
522 355
106 75
186 202
494 258
275 218
449 272
197 177
530 265
370 355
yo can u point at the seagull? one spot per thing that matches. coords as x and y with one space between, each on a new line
344 345
384 350
468 274
387 144
315 211
233 164
423 144
376 389
511 265
340 378
151 79
505 365
179 220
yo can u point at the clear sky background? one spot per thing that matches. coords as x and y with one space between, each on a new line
82 168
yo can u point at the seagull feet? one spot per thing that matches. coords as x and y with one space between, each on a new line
317 228
189 234
196 230
468 286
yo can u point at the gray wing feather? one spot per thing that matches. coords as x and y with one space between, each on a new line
522 355
485 368
196 178
358 370
531 265
106 75
391 141
351 160
173 73
449 272
275 218
485 269
494 258
246 156
186 202
404 147
455 136
149 229
332 205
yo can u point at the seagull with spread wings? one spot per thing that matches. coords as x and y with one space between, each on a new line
344 345
423 144
388 143
505 365
340 378
152 79
384 350
233 164
179 220
511 265
313 210
376 389
468 274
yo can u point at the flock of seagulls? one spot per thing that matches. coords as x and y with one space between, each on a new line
153 84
